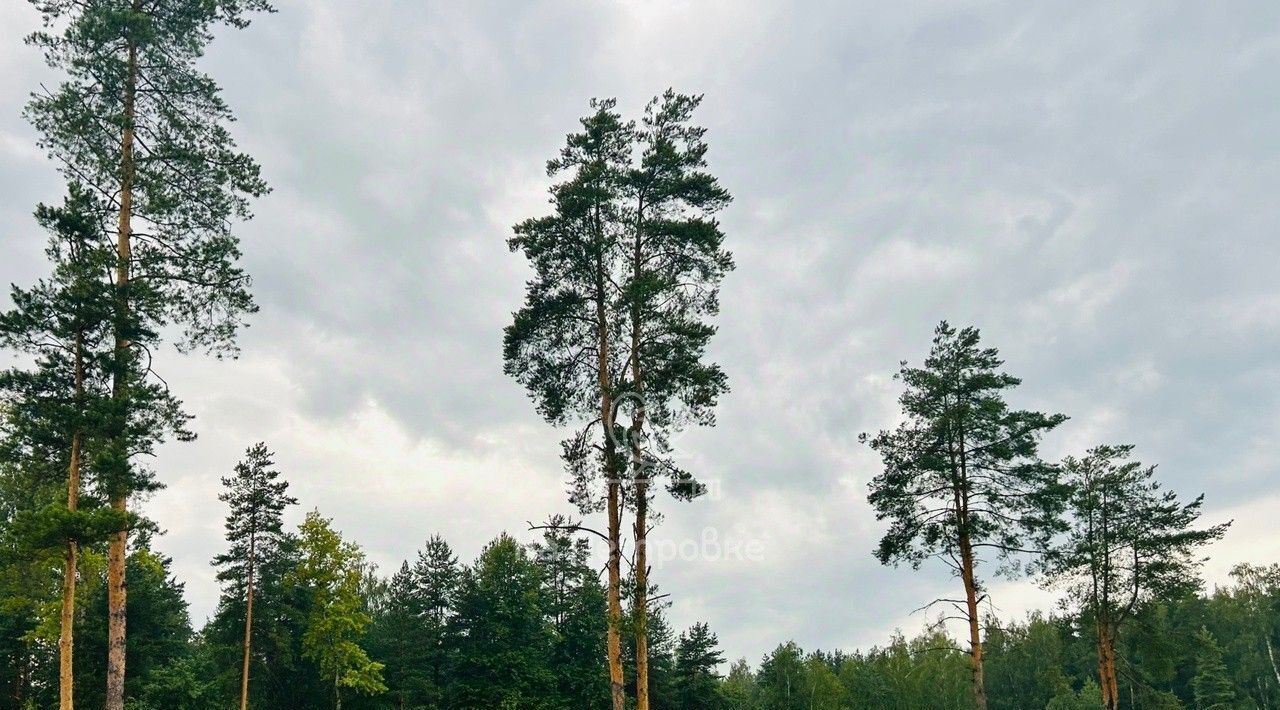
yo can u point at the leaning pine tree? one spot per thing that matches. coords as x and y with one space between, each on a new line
565 343
1129 543
675 262
144 131
961 474
257 497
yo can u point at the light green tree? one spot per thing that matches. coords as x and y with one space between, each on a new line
329 571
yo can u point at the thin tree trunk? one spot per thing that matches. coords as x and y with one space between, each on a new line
640 471
117 591
248 626
1271 655
613 639
613 485
642 598
66 634
975 632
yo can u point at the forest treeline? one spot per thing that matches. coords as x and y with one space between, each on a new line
521 626
611 344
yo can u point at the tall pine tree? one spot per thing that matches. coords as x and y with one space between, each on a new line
675 261
55 408
961 474
144 131
1129 542
565 343
257 498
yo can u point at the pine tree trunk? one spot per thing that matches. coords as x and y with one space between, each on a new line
614 495
975 632
642 598
641 473
117 591
1106 667
248 626
614 638
66 634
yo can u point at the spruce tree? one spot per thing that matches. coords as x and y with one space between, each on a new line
697 671
257 498
437 577
144 132
674 264
397 640
505 641
572 599
1212 684
961 474
1130 542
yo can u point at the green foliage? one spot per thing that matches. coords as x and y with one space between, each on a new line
328 571
1130 541
573 598
697 675
1088 697
565 344
159 627
1211 685
504 639
963 465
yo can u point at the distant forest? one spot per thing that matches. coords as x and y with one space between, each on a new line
611 344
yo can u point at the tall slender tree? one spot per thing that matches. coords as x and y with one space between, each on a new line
962 475
565 343
675 261
1130 542
257 498
144 131
57 405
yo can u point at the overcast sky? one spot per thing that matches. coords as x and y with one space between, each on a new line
1094 185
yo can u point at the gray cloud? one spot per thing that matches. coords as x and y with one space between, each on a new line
1093 186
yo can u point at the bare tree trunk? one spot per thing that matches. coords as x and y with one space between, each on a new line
66 634
1113 680
248 625
642 598
614 639
613 502
1106 668
975 631
640 472
117 548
